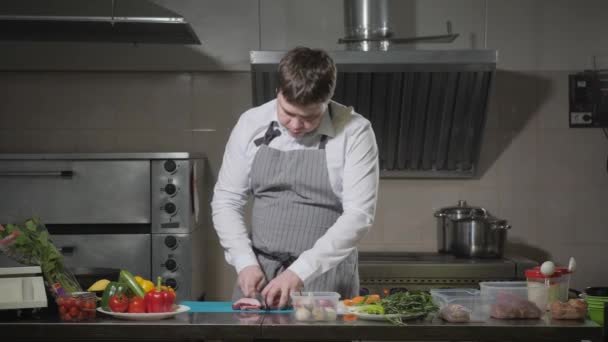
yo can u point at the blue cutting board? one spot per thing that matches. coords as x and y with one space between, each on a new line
223 307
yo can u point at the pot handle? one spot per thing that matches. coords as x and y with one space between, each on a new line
501 226
484 215
440 214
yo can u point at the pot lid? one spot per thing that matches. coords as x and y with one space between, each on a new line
462 210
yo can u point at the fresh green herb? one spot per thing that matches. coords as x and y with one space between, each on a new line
30 244
408 303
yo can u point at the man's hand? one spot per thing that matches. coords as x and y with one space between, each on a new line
276 293
251 280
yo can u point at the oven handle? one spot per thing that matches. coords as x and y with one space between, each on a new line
66 250
62 174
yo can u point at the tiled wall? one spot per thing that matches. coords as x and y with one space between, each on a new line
549 181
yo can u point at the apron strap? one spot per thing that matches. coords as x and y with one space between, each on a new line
285 259
270 134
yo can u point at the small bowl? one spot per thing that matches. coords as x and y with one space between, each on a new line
597 315
598 292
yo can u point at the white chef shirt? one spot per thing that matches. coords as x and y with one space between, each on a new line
352 162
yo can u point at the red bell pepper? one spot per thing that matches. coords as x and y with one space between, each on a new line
169 299
159 300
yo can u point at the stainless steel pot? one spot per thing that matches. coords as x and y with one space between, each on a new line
480 237
445 223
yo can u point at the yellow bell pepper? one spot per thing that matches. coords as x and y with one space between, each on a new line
167 288
147 285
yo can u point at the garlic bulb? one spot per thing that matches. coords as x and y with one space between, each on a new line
302 314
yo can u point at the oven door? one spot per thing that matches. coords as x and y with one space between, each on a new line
117 251
76 191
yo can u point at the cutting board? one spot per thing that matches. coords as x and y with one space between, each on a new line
223 307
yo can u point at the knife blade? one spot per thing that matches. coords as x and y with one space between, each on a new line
262 301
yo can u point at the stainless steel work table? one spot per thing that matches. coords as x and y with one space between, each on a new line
217 326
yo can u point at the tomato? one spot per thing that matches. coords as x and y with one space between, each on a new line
119 303
67 317
69 302
137 305
91 305
348 302
62 310
74 311
82 316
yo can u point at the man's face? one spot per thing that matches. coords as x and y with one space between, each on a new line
299 120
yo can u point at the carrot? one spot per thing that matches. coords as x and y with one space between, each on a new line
371 299
358 300
347 302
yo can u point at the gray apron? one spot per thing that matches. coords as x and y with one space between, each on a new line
294 205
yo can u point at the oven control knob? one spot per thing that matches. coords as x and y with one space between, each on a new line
171 242
171 283
170 208
170 166
364 291
171 265
170 189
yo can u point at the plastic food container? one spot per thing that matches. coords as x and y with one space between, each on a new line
77 306
564 288
543 290
491 289
315 306
469 299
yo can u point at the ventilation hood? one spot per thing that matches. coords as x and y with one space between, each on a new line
116 21
428 108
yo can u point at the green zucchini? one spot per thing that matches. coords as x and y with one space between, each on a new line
114 288
127 278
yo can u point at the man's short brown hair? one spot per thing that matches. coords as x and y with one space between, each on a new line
307 76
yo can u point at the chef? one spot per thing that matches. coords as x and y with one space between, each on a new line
311 166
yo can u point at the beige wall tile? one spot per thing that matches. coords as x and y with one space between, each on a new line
219 99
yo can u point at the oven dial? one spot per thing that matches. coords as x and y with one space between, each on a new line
170 166
171 265
171 283
171 242
170 189
170 208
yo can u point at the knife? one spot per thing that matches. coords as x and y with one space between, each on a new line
262 301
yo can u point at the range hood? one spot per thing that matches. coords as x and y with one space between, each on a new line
428 108
116 21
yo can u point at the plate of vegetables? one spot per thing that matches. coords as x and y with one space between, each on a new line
395 308
147 316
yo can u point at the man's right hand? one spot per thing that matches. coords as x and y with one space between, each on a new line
251 280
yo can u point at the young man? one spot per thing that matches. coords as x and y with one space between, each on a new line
311 165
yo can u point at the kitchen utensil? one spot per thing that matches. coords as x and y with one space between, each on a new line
445 223
479 235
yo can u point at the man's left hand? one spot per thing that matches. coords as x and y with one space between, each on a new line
276 293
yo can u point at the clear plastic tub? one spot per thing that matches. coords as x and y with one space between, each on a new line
315 306
468 300
543 290
491 289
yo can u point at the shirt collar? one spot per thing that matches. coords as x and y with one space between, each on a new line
326 127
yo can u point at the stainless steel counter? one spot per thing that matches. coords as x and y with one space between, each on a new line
204 326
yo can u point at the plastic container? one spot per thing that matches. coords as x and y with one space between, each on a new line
543 290
77 306
315 306
469 299
491 289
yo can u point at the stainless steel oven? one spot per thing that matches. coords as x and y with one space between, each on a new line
135 211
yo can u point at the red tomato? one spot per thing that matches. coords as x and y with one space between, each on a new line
119 303
67 317
78 303
74 311
69 302
91 305
82 316
137 305
62 310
